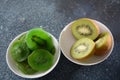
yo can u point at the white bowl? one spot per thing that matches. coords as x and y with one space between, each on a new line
11 62
66 40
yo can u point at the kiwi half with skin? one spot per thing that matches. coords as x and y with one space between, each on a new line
82 49
103 43
84 27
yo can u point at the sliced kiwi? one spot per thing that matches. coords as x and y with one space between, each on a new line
25 68
22 38
83 48
84 28
40 60
19 51
37 38
103 43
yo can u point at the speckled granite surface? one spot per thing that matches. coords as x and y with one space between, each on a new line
17 16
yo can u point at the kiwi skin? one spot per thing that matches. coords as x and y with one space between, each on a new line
104 48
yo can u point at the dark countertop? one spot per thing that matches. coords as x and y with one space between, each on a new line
17 16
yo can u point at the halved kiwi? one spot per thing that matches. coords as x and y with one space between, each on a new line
84 27
103 43
83 48
40 60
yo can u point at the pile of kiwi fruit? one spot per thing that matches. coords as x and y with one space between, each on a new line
89 39
33 51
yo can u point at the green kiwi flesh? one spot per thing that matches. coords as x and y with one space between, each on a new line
33 51
25 67
40 60
103 43
82 48
37 38
19 51
84 28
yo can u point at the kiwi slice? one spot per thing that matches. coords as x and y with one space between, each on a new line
103 43
19 51
22 38
84 27
38 40
82 48
25 68
40 60
50 47
37 37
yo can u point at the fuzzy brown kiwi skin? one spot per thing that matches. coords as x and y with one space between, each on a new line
103 50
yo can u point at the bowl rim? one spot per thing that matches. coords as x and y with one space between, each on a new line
89 64
38 75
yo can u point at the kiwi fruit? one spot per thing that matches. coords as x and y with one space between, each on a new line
82 49
38 40
103 43
84 27
50 47
22 37
19 51
33 51
37 37
25 67
40 60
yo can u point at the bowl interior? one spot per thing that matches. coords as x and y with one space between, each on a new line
11 63
66 40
